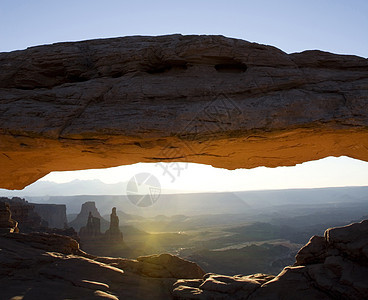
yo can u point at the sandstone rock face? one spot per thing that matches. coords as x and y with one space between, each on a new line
203 99
331 267
157 266
214 286
42 266
48 242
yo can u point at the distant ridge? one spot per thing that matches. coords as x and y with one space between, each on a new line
97 187
213 203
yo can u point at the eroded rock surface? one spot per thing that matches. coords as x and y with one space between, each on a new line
43 266
203 99
157 266
331 267
214 286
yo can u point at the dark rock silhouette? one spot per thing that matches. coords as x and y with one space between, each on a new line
7 224
95 242
114 233
49 266
327 268
23 212
28 220
82 218
53 214
92 228
331 267
67 231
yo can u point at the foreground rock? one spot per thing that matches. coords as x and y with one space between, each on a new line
214 286
53 267
33 265
331 267
43 266
157 266
202 99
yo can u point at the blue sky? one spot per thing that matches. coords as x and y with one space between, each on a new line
337 26
293 26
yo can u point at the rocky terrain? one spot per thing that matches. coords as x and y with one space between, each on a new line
43 266
331 267
33 265
205 99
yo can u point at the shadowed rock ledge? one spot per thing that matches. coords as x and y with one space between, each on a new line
204 99
331 267
48 266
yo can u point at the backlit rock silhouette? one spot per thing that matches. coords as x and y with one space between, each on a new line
114 233
92 229
7 224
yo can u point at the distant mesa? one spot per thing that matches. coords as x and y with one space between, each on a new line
19 215
82 218
53 214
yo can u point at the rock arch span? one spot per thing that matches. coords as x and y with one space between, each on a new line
204 99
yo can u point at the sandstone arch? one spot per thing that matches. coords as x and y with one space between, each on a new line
204 99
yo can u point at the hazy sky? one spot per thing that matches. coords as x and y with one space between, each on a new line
293 26
331 171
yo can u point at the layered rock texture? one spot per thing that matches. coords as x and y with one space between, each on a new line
52 266
204 99
43 266
331 267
